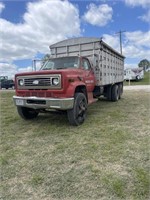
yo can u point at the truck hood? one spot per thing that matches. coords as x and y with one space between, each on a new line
44 72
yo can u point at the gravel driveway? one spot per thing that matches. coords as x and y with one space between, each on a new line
137 87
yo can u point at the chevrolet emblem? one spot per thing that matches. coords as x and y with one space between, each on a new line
35 82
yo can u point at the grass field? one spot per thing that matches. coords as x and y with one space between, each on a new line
105 158
145 81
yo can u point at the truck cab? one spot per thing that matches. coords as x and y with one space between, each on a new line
77 69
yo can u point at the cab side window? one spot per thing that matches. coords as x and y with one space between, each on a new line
86 64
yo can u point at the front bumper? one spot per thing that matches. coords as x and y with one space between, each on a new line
44 103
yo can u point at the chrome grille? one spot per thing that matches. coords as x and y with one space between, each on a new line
37 82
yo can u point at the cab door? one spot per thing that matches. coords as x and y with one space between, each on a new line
89 77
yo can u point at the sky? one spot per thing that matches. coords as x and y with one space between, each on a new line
27 28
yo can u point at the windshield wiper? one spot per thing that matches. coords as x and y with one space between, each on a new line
61 68
55 68
47 69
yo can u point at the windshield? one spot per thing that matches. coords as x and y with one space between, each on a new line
61 63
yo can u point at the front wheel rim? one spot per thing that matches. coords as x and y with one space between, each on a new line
82 107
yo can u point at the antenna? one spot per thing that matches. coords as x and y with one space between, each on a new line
120 36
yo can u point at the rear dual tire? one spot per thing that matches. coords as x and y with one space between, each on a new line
120 85
114 92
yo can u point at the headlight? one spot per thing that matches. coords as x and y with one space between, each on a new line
21 82
55 81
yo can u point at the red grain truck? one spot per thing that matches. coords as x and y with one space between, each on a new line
79 71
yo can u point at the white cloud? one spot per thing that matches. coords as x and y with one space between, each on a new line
112 41
25 69
8 69
134 51
143 3
98 15
146 17
135 44
133 65
45 22
2 6
138 38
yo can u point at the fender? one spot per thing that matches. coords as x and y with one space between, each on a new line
72 87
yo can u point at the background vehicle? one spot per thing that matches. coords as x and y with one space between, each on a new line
80 71
6 83
135 74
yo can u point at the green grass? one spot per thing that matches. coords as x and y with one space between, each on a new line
105 158
145 81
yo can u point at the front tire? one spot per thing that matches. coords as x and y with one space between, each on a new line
77 115
27 113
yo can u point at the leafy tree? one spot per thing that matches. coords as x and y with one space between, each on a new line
145 64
